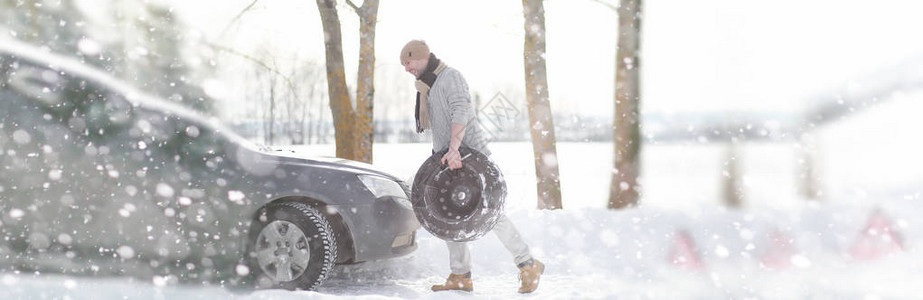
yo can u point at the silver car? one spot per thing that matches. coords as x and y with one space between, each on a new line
99 178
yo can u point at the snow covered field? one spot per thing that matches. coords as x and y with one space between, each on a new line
680 244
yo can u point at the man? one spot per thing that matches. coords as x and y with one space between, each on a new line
444 107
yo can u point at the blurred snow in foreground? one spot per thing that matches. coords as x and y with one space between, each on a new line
679 244
593 253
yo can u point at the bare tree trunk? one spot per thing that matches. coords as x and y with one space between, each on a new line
732 184
291 111
340 106
365 88
352 127
271 133
321 130
624 189
303 118
809 184
542 125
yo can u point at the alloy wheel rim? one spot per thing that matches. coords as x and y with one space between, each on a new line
282 251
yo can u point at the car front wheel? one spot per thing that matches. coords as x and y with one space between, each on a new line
292 246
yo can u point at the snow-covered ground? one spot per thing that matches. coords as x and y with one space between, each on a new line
679 244
594 253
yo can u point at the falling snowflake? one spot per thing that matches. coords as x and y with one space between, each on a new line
164 190
126 252
236 196
17 213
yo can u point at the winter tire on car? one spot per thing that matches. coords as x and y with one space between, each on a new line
292 246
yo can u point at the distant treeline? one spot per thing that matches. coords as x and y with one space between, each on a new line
660 128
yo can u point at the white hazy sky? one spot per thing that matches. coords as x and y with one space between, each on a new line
715 55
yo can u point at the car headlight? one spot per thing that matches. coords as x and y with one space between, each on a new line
384 187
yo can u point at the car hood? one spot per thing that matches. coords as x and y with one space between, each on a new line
334 162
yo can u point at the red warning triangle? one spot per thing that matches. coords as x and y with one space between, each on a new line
683 253
878 238
780 251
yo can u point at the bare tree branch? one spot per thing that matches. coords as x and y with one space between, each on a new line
356 8
288 80
237 18
607 4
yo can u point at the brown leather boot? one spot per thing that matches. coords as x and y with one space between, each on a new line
459 282
529 275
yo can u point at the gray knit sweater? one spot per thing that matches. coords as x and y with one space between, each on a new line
450 102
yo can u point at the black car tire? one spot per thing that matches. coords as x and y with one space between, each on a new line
458 205
292 246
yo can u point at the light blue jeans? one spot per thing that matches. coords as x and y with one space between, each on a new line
460 256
